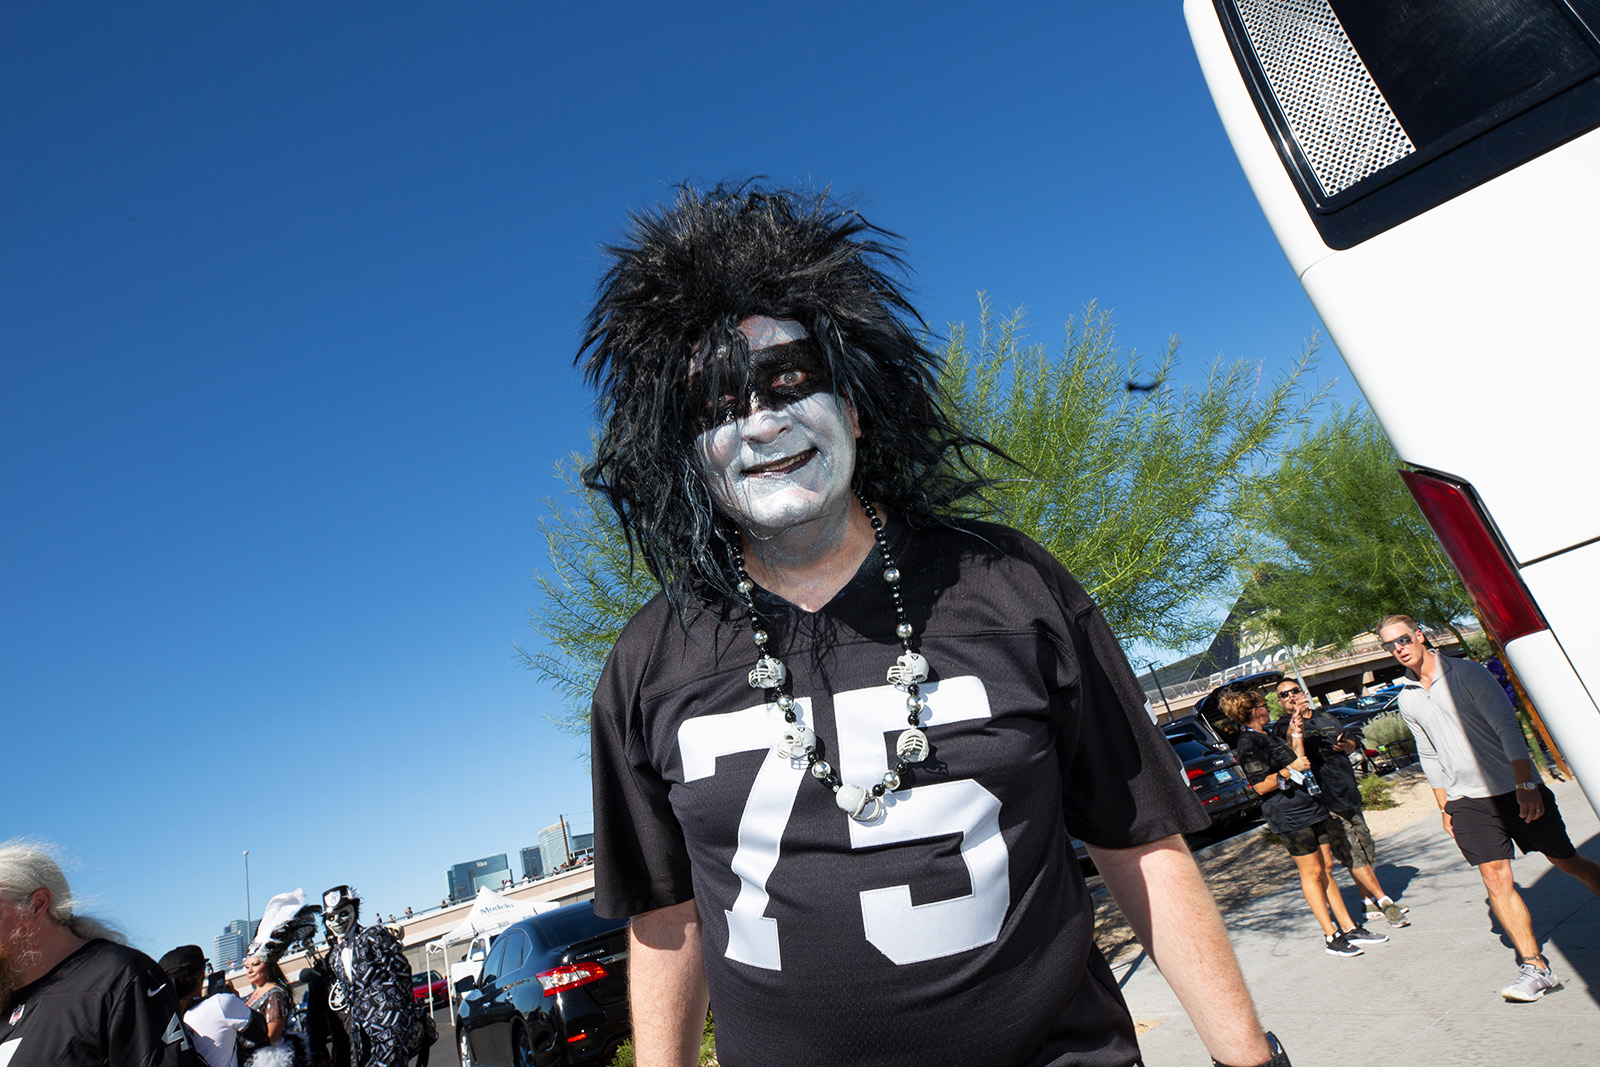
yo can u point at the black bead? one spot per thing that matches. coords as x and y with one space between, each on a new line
901 767
788 716
877 790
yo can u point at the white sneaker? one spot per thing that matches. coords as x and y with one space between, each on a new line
1533 983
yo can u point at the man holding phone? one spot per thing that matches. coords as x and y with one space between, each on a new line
1328 745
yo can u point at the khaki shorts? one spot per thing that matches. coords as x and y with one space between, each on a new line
1353 847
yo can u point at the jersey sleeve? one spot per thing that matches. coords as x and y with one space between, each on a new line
1123 784
143 1028
641 861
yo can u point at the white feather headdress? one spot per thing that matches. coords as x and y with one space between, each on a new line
287 919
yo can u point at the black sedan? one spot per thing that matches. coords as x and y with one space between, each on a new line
554 990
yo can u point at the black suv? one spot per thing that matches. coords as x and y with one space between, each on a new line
554 990
1214 774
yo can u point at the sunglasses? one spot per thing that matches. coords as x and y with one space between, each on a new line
1400 642
1289 692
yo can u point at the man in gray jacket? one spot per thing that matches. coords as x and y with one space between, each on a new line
1476 759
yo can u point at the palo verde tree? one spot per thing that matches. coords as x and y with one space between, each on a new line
1136 492
1134 489
1338 542
594 586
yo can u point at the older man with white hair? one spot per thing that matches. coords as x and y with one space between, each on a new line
71 993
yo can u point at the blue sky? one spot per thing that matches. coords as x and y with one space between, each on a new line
290 296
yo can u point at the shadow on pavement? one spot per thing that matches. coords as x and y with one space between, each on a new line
1566 917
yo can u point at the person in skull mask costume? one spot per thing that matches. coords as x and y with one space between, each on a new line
851 871
371 985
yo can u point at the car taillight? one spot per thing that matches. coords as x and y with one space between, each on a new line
1491 578
569 976
1194 772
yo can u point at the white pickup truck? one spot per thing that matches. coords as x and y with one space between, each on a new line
477 952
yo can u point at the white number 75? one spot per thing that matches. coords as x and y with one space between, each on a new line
902 931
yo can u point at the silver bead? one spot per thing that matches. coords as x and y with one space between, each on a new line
820 770
759 636
892 575
745 586
785 702
912 746
914 704
904 631
891 781
769 673
910 669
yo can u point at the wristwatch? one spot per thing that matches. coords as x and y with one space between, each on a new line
1279 1058
1530 786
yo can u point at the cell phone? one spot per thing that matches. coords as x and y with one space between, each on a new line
217 982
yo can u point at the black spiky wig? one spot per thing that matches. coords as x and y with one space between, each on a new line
687 275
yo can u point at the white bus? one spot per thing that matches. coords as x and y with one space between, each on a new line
1432 172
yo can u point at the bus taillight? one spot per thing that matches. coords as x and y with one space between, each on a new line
1489 574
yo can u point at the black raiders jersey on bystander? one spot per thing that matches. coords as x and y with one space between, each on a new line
106 1005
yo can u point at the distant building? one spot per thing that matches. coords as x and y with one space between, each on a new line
532 862
227 950
467 878
583 842
555 846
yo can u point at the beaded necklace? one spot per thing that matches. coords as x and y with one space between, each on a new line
799 741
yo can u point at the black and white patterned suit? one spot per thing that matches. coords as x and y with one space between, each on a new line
372 991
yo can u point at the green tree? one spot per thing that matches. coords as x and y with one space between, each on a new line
1137 493
1337 541
593 588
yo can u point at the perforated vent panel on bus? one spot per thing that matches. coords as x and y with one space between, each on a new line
1336 113
1363 97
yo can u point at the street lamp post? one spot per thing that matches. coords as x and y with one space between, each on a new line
247 893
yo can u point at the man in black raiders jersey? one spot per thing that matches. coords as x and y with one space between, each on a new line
71 994
839 759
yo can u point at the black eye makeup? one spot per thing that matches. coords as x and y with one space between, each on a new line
777 376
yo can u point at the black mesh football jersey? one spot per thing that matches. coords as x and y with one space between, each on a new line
106 1005
955 928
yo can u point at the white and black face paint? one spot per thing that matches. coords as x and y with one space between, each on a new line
785 452
341 920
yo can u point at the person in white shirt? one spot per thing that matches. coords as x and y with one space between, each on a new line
213 1021
1476 759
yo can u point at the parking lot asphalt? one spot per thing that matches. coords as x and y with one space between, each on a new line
1430 996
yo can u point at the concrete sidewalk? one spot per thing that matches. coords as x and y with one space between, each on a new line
1430 996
